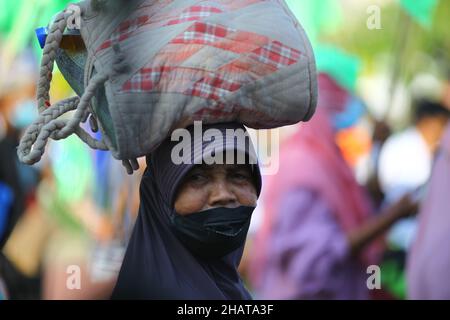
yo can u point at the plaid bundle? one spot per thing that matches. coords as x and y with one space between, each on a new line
169 63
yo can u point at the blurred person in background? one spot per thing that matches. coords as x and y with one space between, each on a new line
65 236
405 166
48 221
381 132
318 236
429 258
17 90
17 181
398 174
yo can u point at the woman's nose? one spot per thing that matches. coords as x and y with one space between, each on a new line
222 196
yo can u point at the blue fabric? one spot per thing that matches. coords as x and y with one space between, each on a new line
353 111
24 114
6 200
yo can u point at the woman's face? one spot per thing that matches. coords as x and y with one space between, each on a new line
218 185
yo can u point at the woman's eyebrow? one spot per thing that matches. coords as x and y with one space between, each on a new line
238 168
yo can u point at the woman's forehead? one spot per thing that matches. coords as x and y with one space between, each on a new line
221 167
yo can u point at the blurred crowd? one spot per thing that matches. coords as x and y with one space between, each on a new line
74 208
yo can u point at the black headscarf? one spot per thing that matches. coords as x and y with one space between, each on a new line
157 265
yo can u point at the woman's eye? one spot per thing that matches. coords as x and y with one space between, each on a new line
240 176
197 178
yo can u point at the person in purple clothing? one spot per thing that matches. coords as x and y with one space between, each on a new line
317 238
429 260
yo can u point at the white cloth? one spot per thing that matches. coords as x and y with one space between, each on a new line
404 165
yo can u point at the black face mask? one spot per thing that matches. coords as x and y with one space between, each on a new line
213 233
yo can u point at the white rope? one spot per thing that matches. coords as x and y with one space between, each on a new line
52 44
32 145
33 142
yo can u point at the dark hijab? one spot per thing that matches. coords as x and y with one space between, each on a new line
157 265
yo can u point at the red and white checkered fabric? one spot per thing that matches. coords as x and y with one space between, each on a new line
145 80
195 13
277 55
273 55
213 88
203 33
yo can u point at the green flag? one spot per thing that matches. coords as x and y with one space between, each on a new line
19 19
72 167
343 67
317 17
421 11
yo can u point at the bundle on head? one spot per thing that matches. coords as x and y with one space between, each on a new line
148 67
